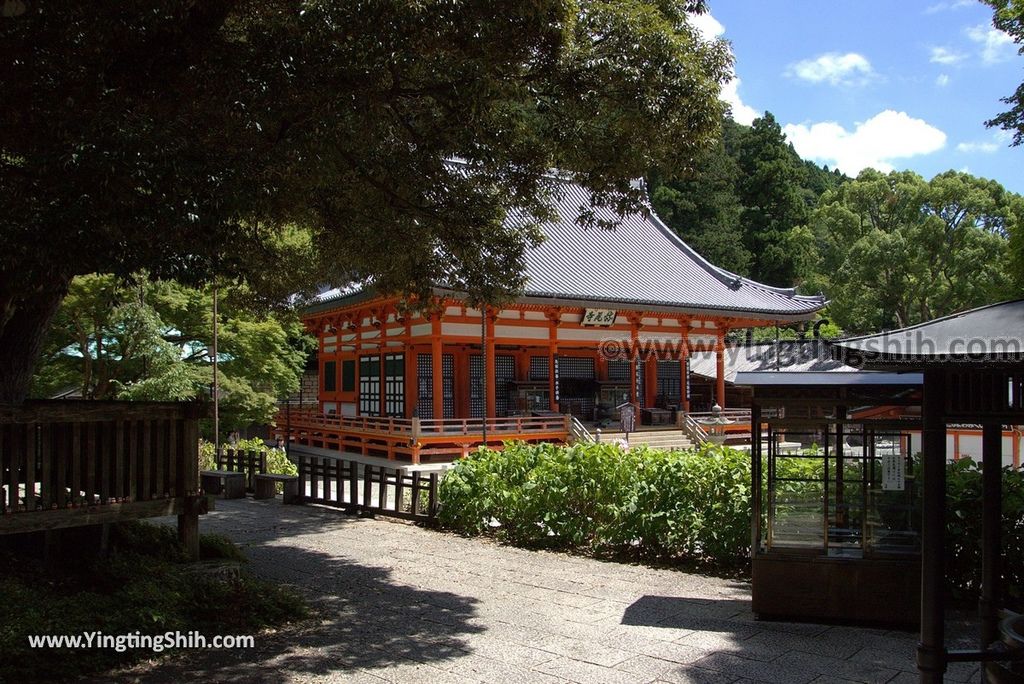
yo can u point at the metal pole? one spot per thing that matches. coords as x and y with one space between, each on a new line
216 390
931 650
991 519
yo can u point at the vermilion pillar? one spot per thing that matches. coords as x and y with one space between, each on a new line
720 374
488 369
650 380
437 368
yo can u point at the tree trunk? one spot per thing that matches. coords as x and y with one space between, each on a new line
21 340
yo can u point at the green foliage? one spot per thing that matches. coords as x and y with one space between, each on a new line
1008 16
144 585
653 505
744 198
277 460
151 340
284 146
963 530
892 250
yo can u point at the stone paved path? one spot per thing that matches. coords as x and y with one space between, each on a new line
398 603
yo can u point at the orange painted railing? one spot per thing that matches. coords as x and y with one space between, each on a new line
415 438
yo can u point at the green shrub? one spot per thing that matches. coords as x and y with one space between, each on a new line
963 530
277 460
655 505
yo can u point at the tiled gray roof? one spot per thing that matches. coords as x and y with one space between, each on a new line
988 334
790 356
642 261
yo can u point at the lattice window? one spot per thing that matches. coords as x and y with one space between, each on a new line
394 384
504 373
576 397
476 386
669 382
424 386
539 368
448 384
369 385
618 370
575 367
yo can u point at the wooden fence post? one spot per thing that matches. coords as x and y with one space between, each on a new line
188 487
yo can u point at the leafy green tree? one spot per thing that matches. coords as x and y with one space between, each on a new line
284 144
703 208
772 195
892 250
152 340
1008 16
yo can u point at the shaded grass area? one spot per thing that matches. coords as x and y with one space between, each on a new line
143 585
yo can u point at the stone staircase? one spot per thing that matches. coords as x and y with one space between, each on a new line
655 439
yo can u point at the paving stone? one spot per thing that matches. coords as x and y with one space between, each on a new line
773 672
588 673
396 602
835 667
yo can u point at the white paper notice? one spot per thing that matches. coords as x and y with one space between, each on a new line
893 472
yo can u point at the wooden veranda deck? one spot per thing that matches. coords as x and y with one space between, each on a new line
416 439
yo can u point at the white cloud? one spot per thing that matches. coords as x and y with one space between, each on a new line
999 139
996 46
941 55
949 5
942 80
707 26
711 29
887 136
836 69
969 147
741 113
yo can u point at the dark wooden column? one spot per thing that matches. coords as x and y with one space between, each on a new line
755 476
931 650
991 519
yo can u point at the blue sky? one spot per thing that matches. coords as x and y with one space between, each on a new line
892 85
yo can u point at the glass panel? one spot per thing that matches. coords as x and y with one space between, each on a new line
893 521
796 492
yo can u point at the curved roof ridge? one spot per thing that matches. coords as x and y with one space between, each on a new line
933 321
726 276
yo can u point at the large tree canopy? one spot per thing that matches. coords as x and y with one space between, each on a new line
282 143
148 339
743 199
892 250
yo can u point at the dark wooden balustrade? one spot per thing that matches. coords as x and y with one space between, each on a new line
73 463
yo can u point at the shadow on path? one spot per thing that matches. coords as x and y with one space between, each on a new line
361 618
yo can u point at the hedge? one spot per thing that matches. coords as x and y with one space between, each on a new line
648 504
692 506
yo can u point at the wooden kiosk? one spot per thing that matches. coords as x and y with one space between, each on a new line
835 531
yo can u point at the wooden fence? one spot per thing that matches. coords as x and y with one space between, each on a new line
364 488
74 463
249 462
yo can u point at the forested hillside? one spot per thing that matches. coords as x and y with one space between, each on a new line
887 249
